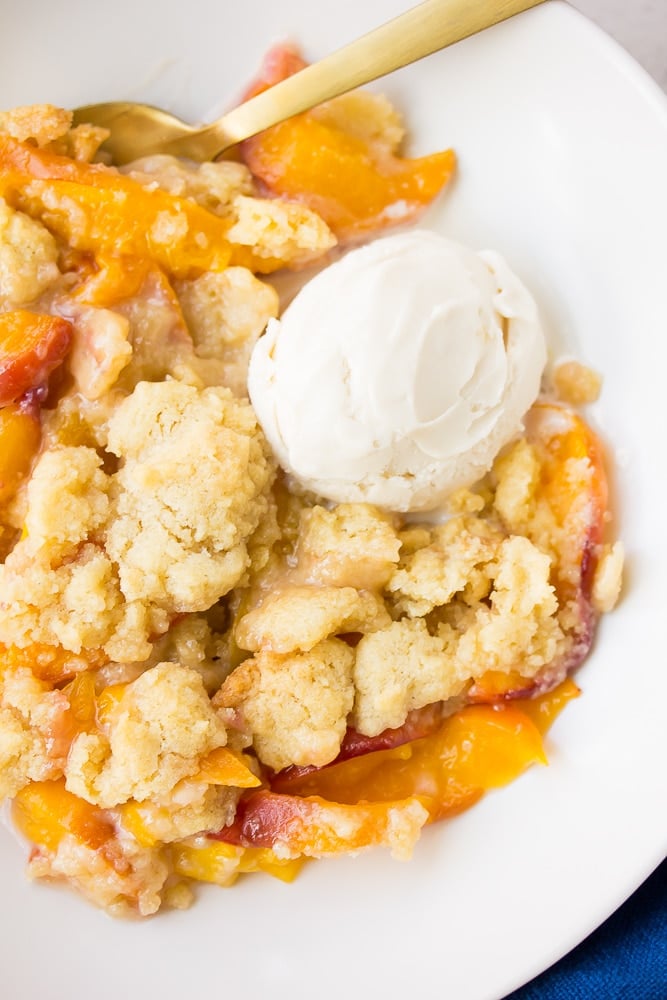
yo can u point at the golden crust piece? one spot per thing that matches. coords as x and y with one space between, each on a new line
212 185
81 142
397 669
52 127
366 116
352 545
32 721
295 705
126 880
226 313
75 604
225 309
41 122
297 618
269 233
58 584
191 807
455 562
517 474
575 383
28 255
155 735
523 512
67 501
404 667
519 629
190 491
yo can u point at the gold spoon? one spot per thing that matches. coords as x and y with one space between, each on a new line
139 129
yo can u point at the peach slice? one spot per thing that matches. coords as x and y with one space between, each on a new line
83 704
31 346
347 806
97 210
112 280
419 723
569 518
52 664
107 700
45 812
222 767
314 827
545 708
479 748
354 182
220 863
278 63
573 488
20 436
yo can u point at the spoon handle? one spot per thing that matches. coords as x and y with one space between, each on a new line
424 29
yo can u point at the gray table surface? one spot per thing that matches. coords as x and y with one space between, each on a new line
639 25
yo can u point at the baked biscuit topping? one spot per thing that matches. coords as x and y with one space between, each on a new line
204 669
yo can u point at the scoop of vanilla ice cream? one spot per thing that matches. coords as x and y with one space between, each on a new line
398 373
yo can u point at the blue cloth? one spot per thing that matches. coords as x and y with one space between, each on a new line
624 959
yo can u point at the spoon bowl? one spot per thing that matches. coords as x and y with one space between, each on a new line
137 129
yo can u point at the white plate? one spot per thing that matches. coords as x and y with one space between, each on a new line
563 157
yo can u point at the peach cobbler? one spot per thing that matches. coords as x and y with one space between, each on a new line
206 668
